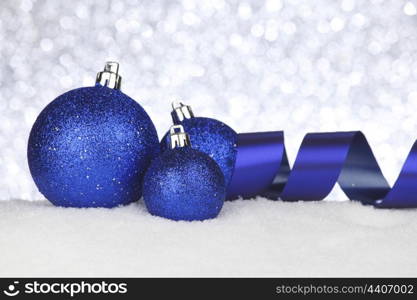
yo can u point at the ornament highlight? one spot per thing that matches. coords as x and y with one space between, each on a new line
210 136
90 147
183 183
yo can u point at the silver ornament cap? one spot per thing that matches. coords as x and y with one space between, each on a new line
179 138
110 77
180 112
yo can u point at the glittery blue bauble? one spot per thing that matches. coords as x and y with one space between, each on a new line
214 138
184 184
90 147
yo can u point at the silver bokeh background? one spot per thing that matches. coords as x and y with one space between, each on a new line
293 65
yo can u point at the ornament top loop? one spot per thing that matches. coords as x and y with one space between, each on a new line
110 77
179 138
180 112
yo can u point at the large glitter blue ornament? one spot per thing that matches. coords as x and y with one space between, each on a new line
183 183
210 136
91 146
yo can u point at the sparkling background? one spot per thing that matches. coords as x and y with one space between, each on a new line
294 65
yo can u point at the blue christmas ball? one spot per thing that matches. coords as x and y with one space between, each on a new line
184 184
90 147
214 138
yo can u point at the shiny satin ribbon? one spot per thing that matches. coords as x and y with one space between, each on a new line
323 160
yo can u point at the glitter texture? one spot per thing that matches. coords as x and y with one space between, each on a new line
257 65
184 184
90 147
214 138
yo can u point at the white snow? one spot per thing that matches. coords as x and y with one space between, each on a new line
298 66
249 238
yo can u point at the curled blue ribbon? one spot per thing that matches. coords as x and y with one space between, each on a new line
323 160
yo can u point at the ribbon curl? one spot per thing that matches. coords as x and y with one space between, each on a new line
323 160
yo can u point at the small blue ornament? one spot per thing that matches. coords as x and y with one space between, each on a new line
210 136
183 183
90 147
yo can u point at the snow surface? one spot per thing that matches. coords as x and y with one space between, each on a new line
249 238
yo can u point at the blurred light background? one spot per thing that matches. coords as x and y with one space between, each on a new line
293 65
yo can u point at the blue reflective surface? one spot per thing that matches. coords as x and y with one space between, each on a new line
323 160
